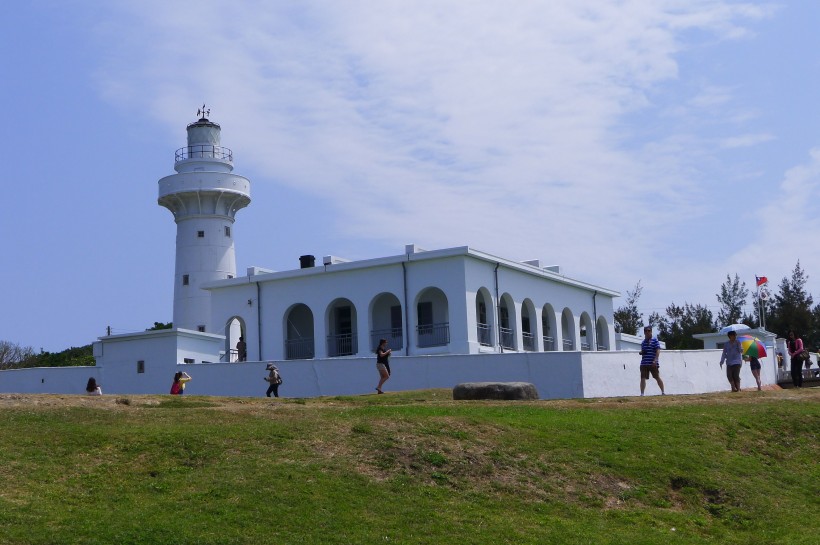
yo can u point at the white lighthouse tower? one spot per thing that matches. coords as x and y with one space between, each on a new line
204 196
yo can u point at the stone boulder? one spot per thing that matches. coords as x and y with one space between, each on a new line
495 390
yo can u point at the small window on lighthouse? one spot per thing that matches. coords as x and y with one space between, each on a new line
228 231
200 234
185 279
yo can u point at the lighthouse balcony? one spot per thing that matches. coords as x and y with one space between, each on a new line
204 151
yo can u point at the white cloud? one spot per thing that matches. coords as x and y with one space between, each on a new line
745 140
501 126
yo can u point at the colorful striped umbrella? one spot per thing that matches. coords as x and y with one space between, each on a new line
752 346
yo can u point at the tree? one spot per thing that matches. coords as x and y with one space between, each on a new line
680 323
792 305
13 355
160 325
732 299
627 318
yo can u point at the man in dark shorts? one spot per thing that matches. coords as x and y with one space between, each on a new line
650 351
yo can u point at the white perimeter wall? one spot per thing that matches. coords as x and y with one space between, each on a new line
555 375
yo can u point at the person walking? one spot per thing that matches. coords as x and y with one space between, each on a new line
733 357
795 346
383 363
754 365
274 378
650 353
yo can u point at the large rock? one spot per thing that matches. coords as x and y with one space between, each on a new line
495 390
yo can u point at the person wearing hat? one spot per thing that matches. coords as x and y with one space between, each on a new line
733 356
274 378
650 352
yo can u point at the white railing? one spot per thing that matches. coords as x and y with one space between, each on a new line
299 348
433 334
484 336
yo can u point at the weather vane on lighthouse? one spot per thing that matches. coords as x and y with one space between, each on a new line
203 112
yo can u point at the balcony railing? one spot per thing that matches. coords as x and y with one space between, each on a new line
433 334
484 336
549 344
300 348
394 336
507 338
203 151
568 345
231 356
602 348
528 341
584 346
341 345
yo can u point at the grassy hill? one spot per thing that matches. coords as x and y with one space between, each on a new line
412 467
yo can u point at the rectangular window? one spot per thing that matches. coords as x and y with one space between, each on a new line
200 328
344 321
395 317
504 317
185 279
141 366
425 312
228 231
200 234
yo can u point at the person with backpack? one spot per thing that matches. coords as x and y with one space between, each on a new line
274 378
180 378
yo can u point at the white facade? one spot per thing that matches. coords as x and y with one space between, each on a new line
450 301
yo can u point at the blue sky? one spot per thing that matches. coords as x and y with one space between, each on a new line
671 142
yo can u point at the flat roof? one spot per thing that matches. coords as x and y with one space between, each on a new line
424 255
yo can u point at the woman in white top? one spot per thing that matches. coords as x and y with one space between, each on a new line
92 388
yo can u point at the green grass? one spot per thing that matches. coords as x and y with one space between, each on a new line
412 467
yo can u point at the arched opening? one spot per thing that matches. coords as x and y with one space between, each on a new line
602 333
548 328
299 343
341 326
567 330
506 322
484 317
585 332
528 326
386 321
235 341
432 318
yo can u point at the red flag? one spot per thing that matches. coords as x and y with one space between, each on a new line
761 280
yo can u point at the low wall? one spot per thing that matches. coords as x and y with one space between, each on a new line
555 375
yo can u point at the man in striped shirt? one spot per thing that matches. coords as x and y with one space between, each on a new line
650 351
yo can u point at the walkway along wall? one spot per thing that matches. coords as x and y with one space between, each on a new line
555 375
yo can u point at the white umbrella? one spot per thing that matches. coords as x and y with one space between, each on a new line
734 327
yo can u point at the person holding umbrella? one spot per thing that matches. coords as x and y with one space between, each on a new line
752 350
733 356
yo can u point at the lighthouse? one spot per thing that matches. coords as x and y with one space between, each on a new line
204 196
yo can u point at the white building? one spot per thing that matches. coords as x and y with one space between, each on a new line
450 301
450 315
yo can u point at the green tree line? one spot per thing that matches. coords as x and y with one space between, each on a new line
14 356
789 308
